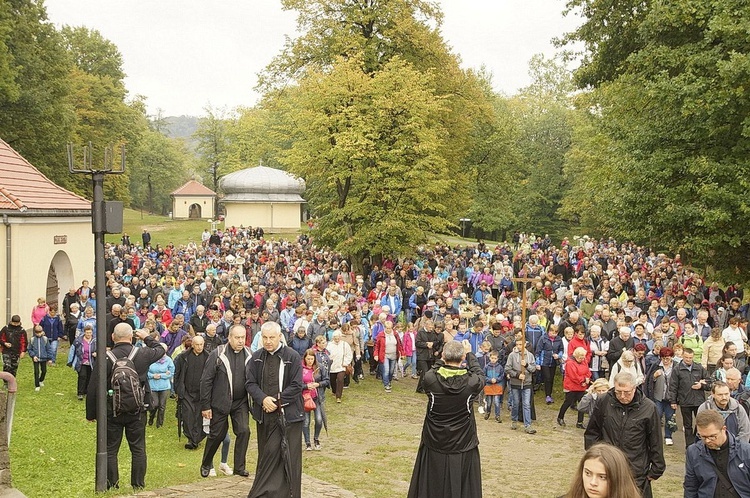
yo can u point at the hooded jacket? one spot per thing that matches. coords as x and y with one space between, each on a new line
735 417
513 369
450 425
16 336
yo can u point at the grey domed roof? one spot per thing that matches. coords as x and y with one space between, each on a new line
262 184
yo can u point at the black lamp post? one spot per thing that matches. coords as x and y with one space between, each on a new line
104 219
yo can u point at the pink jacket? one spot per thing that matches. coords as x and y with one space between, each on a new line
38 313
408 344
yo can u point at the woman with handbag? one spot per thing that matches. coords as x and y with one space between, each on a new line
316 380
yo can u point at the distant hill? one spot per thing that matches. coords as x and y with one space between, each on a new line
181 127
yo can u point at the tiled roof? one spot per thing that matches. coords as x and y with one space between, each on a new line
193 188
23 187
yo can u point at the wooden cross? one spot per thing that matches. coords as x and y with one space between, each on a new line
523 281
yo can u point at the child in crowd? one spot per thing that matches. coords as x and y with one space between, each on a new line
598 388
483 358
40 351
400 371
494 386
678 349
410 349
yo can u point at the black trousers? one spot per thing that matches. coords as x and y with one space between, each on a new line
39 365
219 427
192 420
135 432
548 376
571 398
687 423
84 375
373 362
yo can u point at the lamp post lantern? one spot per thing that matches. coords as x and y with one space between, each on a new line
106 217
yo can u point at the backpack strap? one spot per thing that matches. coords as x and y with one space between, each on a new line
132 353
112 356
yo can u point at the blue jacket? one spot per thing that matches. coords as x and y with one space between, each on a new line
700 475
494 371
78 353
40 347
82 324
393 303
184 308
53 327
300 345
545 348
480 297
164 366
534 335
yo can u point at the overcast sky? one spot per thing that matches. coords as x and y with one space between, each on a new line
185 54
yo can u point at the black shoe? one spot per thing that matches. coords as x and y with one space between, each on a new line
561 422
190 446
498 419
205 471
242 473
579 425
151 420
486 415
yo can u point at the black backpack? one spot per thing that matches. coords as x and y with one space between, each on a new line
128 394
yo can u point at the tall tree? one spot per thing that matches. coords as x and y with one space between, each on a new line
372 34
103 117
520 182
213 139
157 167
36 113
369 147
670 100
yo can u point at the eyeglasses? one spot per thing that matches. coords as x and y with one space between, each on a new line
710 437
623 392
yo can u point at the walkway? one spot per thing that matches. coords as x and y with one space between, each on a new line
238 487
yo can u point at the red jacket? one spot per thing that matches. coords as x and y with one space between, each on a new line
576 375
379 349
574 343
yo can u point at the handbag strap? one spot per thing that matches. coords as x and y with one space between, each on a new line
724 481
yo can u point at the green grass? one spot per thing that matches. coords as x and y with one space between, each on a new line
165 230
369 449
162 228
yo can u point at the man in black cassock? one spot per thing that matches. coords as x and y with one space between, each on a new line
274 382
188 368
449 434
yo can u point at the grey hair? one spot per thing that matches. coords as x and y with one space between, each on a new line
624 379
453 352
270 327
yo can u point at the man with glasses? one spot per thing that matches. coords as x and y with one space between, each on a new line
716 465
625 418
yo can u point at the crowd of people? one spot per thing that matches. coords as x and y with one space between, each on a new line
623 325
